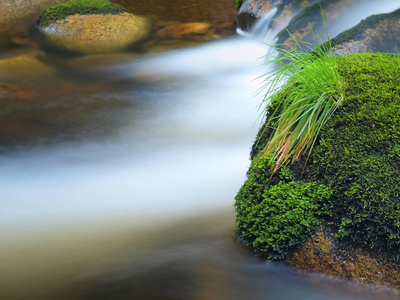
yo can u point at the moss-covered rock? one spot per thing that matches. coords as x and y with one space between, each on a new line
351 181
86 26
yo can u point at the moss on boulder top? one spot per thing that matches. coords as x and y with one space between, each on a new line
350 184
80 7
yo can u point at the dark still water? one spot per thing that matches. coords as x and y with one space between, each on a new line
119 171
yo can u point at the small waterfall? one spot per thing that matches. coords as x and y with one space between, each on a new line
262 30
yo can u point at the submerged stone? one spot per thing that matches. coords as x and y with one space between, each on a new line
185 30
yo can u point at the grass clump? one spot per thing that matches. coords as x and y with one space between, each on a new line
82 7
309 74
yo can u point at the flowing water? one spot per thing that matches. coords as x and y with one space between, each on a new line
118 175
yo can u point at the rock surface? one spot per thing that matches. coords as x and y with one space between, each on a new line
182 30
252 10
322 252
378 33
97 33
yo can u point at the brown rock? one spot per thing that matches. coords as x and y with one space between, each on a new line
252 10
323 253
24 64
97 33
182 30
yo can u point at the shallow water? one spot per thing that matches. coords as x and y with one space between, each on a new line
118 174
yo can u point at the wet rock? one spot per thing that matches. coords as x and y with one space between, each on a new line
322 252
25 64
184 30
82 26
378 33
299 26
252 10
97 33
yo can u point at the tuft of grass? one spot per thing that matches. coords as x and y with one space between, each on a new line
304 90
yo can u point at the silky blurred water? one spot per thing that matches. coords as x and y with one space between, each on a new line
119 177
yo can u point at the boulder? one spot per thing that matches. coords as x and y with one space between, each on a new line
337 209
86 27
377 33
252 10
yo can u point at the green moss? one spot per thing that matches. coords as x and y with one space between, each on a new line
277 214
358 154
351 181
83 7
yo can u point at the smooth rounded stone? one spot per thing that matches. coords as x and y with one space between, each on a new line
182 30
97 33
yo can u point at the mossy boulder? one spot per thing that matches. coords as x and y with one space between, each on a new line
86 26
350 183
